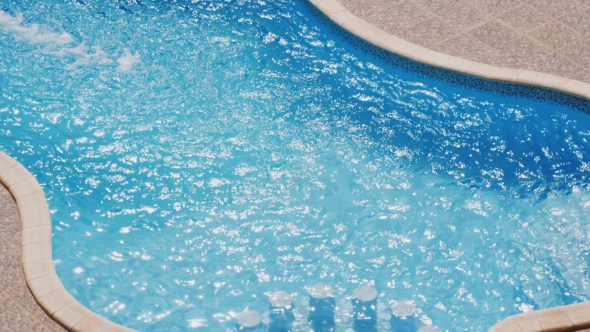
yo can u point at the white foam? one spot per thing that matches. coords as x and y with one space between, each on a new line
84 56
127 61
32 33
56 44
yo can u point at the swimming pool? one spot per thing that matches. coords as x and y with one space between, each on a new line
197 156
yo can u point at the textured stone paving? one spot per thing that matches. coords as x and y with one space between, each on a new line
549 36
18 309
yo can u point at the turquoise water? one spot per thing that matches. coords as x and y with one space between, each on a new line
198 155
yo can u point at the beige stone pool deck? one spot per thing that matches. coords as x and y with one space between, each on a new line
548 36
18 309
534 37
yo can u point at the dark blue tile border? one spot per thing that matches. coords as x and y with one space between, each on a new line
458 79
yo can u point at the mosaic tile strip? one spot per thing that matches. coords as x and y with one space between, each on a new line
516 34
421 60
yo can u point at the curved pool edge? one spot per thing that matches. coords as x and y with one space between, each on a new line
573 317
373 35
37 262
564 318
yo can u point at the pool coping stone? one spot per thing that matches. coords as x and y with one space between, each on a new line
374 35
564 318
37 264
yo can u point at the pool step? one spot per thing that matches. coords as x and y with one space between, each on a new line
248 320
322 306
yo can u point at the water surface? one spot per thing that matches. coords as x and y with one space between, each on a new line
198 155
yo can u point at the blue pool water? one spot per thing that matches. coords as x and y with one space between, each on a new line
199 155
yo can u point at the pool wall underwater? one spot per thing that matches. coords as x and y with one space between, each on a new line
50 294
375 36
